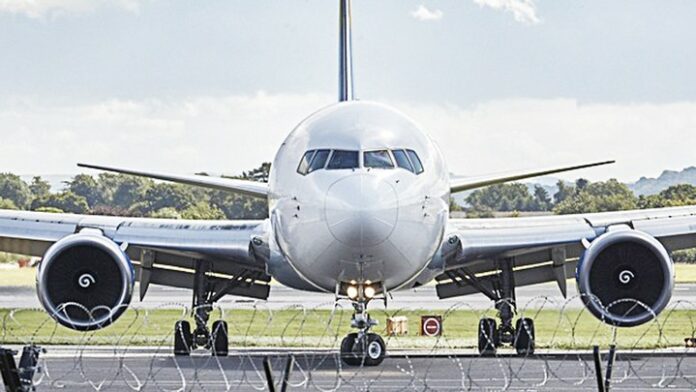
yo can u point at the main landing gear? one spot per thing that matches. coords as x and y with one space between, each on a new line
362 348
500 288
492 336
216 339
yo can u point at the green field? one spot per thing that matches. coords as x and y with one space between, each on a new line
320 329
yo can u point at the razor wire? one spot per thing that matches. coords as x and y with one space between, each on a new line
135 352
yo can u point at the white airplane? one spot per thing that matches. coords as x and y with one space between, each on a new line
358 201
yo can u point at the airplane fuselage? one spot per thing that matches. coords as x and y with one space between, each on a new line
364 212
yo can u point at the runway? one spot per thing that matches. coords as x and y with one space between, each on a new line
283 297
106 369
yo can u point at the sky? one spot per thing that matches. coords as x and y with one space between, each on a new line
216 86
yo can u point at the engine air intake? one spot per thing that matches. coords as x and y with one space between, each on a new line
85 281
625 277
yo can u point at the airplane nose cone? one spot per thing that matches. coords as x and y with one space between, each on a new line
361 210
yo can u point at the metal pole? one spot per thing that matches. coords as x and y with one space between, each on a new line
289 364
269 374
598 368
610 366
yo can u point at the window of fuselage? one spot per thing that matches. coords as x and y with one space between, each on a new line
378 159
343 159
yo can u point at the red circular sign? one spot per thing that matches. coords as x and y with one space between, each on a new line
431 326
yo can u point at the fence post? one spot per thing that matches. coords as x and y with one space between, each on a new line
22 378
289 364
269 373
598 368
610 366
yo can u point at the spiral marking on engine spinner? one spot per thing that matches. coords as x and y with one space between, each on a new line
86 280
625 276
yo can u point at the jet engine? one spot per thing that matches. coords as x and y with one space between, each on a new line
85 281
625 277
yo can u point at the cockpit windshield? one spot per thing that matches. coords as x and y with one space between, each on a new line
314 160
319 160
343 159
378 159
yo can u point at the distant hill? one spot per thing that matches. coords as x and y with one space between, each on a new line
651 186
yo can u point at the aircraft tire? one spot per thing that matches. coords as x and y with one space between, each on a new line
524 336
183 340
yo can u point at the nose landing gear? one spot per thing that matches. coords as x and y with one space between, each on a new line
362 348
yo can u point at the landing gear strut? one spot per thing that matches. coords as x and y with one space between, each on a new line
491 336
362 348
215 340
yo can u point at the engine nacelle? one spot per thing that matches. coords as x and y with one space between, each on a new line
625 277
85 281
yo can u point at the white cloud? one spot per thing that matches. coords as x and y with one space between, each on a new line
217 134
423 13
235 133
53 8
523 10
514 134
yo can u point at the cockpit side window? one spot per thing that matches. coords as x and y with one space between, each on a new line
378 159
415 161
402 160
319 160
303 168
343 159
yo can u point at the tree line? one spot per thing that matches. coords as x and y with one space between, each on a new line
124 195
581 197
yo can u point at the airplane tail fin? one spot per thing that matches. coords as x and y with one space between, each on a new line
345 54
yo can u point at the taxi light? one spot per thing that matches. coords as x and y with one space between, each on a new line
352 292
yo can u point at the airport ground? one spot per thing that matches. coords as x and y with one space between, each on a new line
134 353
147 369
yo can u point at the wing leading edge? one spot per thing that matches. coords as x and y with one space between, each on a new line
244 187
468 183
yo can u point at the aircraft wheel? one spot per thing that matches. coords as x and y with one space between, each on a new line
369 351
348 354
375 350
183 340
524 336
487 336
220 344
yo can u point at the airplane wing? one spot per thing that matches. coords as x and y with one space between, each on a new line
244 187
163 251
468 183
545 248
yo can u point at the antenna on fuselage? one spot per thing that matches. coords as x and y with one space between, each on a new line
345 54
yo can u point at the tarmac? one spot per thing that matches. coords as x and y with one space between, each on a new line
150 369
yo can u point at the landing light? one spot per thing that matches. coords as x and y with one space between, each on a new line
369 291
352 292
